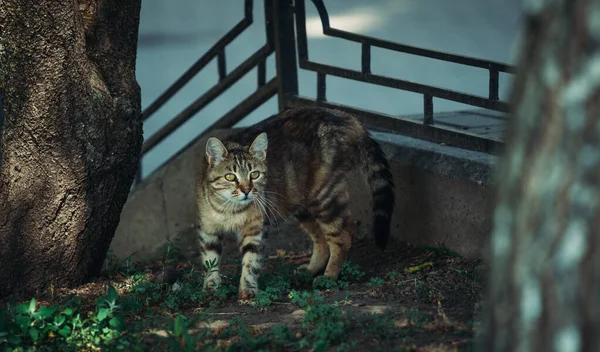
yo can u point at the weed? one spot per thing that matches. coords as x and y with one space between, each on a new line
265 297
394 275
188 293
28 327
324 323
113 265
327 283
376 282
351 272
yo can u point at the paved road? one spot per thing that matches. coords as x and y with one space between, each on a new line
174 34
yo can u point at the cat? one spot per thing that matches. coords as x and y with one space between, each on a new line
293 164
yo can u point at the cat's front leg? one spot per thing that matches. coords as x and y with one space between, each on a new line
251 247
211 248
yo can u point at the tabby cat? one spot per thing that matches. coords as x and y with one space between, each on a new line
304 174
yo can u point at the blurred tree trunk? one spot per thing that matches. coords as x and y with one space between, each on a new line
544 289
71 138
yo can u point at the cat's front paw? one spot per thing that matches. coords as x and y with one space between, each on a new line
246 295
212 281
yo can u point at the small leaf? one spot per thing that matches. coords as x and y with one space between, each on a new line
179 327
102 314
117 322
23 308
31 308
59 320
34 333
14 340
112 294
23 322
68 311
45 312
65 331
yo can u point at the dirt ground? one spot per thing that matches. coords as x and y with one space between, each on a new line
428 299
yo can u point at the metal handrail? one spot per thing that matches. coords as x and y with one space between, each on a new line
492 102
284 38
218 49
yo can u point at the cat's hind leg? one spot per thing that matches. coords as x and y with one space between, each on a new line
320 250
336 224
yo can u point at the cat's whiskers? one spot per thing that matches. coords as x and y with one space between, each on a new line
260 203
272 203
225 206
270 206
259 200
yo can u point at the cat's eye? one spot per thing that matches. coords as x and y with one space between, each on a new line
230 177
254 175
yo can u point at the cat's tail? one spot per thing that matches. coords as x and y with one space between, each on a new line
379 177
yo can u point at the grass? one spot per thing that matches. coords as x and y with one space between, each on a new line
131 310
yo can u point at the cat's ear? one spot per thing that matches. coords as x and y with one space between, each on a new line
259 147
215 151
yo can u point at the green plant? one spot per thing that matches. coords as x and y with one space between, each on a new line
114 265
28 327
327 283
179 337
184 294
265 297
376 282
394 275
324 324
351 272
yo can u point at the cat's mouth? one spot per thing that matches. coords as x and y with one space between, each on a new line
245 199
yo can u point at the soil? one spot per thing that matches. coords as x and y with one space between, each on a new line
432 295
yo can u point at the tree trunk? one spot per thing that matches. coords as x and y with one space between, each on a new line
544 289
71 138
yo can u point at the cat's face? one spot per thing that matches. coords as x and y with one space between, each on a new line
237 176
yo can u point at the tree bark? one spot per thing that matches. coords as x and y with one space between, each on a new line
71 137
544 289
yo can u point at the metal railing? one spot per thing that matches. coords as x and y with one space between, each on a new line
286 18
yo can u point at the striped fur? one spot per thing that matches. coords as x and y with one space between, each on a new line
304 173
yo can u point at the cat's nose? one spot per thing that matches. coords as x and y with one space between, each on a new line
246 190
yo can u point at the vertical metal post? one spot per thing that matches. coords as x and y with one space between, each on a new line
262 73
366 58
321 87
221 64
427 109
285 48
494 83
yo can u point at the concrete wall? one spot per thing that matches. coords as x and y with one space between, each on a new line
442 196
